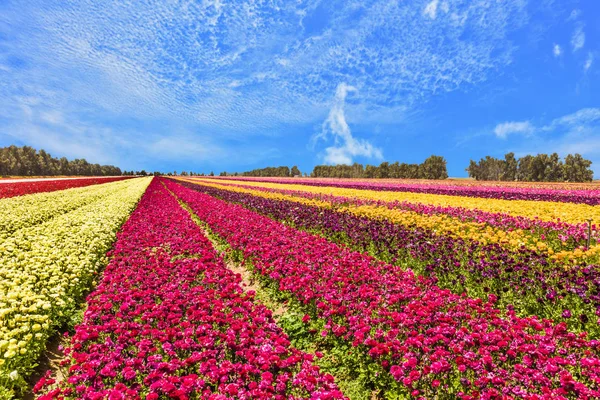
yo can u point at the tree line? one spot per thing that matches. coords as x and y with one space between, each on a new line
282 171
539 168
27 161
434 167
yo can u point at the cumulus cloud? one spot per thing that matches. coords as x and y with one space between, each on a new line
557 50
346 146
506 128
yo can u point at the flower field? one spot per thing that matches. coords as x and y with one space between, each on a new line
350 288
12 189
50 253
169 320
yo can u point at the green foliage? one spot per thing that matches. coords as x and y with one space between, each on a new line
577 169
433 167
539 168
26 161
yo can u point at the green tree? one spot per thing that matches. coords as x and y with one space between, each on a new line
510 167
525 172
434 167
577 169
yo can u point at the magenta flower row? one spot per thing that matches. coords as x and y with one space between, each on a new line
591 197
576 233
423 335
169 320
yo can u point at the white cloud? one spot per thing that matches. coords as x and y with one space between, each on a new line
588 62
504 129
346 146
574 15
578 132
431 9
585 116
556 50
239 68
578 38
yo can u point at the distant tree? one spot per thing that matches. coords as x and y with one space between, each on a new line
370 171
26 161
211 174
554 169
383 171
474 170
538 168
577 169
525 171
510 167
295 171
434 167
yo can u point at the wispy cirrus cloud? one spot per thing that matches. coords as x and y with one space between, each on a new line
578 38
588 62
346 146
506 128
239 68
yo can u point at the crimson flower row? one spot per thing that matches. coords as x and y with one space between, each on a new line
50 185
590 197
524 279
426 337
170 320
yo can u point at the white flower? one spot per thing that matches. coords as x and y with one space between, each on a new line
14 375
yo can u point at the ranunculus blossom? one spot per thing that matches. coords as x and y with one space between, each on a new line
424 332
169 319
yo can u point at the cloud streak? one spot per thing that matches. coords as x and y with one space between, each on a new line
346 146
578 38
506 128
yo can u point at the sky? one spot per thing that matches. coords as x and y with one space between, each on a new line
236 85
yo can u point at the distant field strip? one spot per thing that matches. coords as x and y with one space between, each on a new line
21 188
526 191
557 239
544 210
24 211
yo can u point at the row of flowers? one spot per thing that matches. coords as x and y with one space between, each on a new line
44 271
169 320
13 189
570 186
589 196
25 211
525 281
557 240
426 337
534 209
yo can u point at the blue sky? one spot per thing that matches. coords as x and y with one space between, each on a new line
236 85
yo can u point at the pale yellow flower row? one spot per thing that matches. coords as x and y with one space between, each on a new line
544 210
24 211
441 224
46 268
